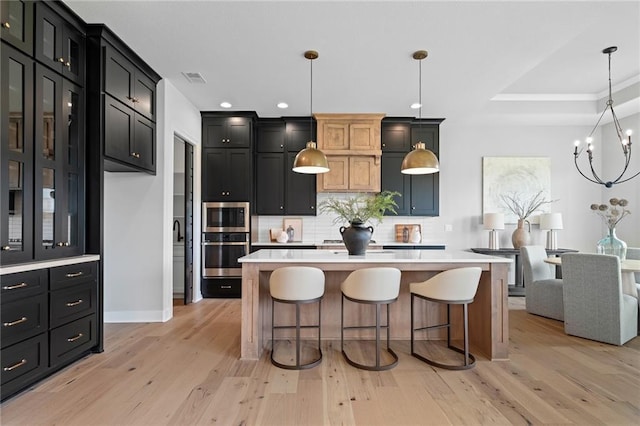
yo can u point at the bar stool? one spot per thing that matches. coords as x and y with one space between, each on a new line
377 286
455 286
296 285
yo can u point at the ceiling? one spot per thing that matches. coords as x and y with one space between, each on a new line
510 62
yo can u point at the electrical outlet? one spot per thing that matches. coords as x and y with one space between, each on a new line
448 227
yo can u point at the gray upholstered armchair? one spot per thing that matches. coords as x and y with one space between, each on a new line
543 292
594 305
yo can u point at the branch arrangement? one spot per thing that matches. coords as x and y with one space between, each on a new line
524 207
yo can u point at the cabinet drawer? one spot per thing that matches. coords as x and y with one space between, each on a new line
72 303
222 288
23 284
71 340
23 318
71 275
22 363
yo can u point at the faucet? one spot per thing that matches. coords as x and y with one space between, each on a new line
177 222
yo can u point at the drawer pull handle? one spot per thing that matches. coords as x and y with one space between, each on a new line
14 286
16 365
74 274
16 322
74 338
225 286
6 248
76 303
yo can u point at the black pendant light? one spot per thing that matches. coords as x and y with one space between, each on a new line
624 140
311 160
420 161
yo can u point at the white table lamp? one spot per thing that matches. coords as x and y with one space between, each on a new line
551 222
493 221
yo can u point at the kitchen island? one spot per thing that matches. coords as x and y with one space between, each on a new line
488 314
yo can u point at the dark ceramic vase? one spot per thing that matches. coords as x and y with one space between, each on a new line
356 237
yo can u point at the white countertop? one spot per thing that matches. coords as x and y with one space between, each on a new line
323 244
373 256
30 266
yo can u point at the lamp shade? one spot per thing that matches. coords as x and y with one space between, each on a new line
420 161
551 221
493 221
310 160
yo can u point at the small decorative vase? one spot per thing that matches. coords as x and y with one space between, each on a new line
521 237
612 245
356 237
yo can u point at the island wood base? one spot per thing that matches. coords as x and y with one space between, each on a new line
488 314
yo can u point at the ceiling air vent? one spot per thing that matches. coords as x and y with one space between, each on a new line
194 77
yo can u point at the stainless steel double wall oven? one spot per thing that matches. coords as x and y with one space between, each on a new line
225 238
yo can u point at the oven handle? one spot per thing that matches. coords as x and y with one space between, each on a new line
234 243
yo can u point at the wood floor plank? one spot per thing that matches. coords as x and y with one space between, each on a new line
187 372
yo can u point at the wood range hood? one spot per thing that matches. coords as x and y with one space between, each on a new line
352 145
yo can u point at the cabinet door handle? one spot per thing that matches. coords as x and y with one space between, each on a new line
6 248
74 274
16 322
74 338
135 155
16 365
413 207
6 25
60 244
14 286
76 303
61 60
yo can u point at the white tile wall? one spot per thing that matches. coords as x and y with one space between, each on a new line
321 227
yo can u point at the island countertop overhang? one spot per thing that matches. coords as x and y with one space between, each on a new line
375 256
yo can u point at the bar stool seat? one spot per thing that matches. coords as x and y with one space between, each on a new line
296 285
378 286
455 286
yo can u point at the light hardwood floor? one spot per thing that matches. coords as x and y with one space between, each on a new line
186 372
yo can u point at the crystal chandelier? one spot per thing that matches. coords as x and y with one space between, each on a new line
624 139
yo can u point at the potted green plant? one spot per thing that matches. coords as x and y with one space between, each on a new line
357 211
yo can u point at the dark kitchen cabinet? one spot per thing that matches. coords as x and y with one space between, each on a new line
128 136
123 101
16 160
395 134
59 44
226 174
270 184
50 320
128 84
59 166
279 190
420 193
300 190
227 159
16 24
227 132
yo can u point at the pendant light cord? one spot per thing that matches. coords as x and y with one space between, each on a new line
311 100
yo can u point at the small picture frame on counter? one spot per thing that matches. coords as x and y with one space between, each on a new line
293 228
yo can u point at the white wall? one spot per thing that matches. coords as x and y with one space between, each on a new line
138 221
461 152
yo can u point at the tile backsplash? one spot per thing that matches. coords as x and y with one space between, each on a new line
315 229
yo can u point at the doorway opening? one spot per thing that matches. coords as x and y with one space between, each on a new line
182 220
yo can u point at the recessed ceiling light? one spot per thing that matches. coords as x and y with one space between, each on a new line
283 105
225 105
415 105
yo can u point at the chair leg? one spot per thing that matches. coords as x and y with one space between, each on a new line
469 359
378 346
298 365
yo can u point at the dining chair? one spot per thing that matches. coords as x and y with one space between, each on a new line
594 305
543 292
